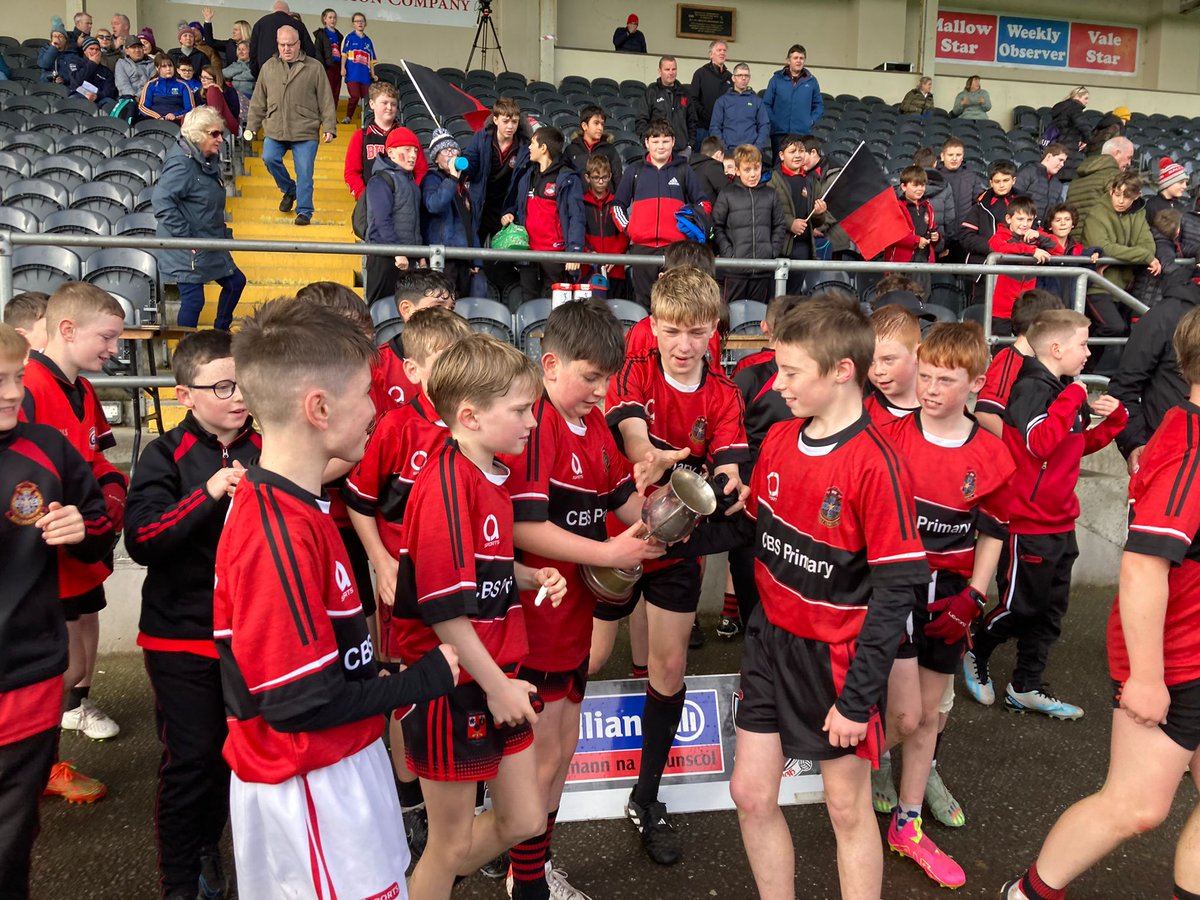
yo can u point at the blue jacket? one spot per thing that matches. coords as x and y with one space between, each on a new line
449 221
162 96
568 196
741 119
793 106
66 64
393 205
47 60
189 201
478 154
98 74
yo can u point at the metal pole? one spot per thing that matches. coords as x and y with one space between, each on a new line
781 276
6 271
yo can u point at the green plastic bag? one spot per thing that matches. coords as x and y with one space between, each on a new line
511 237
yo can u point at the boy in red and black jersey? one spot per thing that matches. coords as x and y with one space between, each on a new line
1154 660
312 802
83 324
177 506
458 582
960 475
563 486
415 289
893 373
52 505
666 409
1046 432
601 234
923 243
1006 364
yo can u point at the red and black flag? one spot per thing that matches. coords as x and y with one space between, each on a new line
865 205
444 100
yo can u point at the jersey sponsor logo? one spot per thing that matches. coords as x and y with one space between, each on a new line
342 579
831 508
495 588
968 485
476 726
783 549
417 461
92 438
491 529
576 466
359 656
673 182
585 518
773 485
397 394
27 504
649 406
930 525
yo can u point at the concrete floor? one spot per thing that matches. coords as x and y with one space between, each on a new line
1012 774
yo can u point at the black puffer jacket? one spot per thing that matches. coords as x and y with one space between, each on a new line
967 185
941 197
1044 189
749 223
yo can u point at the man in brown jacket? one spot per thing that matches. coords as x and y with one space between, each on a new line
294 105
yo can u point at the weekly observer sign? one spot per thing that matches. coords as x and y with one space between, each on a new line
608 756
992 40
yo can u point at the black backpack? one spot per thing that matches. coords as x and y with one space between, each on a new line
358 218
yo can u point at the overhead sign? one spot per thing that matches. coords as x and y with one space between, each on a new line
453 13
608 756
1042 43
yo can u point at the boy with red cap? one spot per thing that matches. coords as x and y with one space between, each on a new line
393 209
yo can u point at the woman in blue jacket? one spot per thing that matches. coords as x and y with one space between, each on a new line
793 98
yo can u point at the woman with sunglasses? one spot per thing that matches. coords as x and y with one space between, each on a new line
189 202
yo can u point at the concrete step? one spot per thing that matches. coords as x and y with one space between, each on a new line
329 195
324 168
321 229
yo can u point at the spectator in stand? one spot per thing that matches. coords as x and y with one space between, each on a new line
795 181
262 36
1165 227
1067 126
1118 227
109 55
1019 235
590 140
938 192
368 144
328 41
601 232
710 166
739 116
165 97
146 39
120 31
293 104
187 74
82 29
709 83
749 222
67 61
238 72
393 209
967 186
47 58
93 80
1091 183
1111 125
358 65
921 244
188 50
667 99
1059 224
189 202
972 102
987 215
446 195
207 44
1172 185
213 96
492 156
629 39
793 98
240 32
1039 181
919 100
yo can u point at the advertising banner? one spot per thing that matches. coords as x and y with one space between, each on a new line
1039 43
608 756
454 13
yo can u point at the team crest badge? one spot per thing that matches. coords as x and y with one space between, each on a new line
550 189
476 726
27 505
831 508
968 485
699 427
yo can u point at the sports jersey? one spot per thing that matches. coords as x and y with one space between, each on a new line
764 406
550 206
1164 521
38 466
998 384
706 420
289 628
173 525
640 340
399 447
74 410
958 490
358 53
837 551
457 560
571 474
390 386
882 410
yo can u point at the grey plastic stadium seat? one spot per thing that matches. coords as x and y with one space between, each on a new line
14 163
148 126
131 274
628 312
76 221
136 225
32 103
530 320
134 174
11 89
17 120
32 144
488 316
745 316
106 198
93 146
144 200
44 269
70 171
13 218
104 124
146 148
40 196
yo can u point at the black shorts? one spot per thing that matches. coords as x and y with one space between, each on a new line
1183 715
454 738
788 684
361 567
675 588
553 686
80 605
933 654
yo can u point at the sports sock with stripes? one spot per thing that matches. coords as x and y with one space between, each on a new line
550 820
660 719
639 671
1036 889
730 608
1181 894
529 869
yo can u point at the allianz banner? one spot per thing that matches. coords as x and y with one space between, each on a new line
985 39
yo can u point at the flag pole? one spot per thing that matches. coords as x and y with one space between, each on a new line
829 187
434 115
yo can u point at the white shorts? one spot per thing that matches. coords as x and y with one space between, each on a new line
335 832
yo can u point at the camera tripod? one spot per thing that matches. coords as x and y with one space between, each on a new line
486 38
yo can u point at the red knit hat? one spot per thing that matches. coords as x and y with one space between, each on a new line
400 136
632 20
1169 173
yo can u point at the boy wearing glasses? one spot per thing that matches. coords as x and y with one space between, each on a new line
174 516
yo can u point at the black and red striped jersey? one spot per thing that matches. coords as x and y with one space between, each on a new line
1164 521
640 340
571 474
289 628
400 445
39 466
881 409
705 418
457 560
390 384
998 384
960 490
835 522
